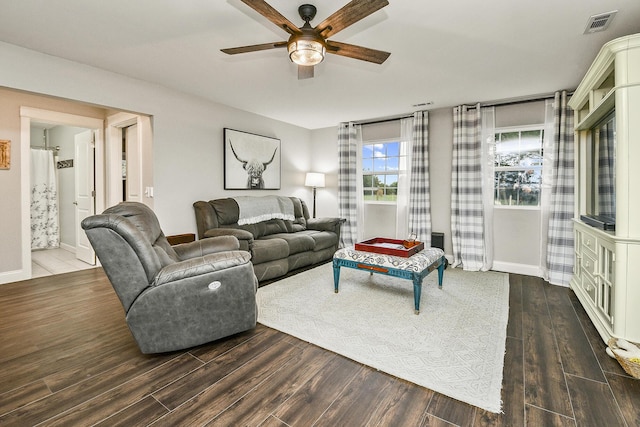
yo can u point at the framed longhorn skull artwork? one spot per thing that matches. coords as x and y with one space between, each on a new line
251 162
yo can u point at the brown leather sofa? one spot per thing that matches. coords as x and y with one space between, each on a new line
277 246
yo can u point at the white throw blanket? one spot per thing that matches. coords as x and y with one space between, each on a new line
258 209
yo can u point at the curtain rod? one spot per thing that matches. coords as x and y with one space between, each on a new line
522 100
388 119
505 102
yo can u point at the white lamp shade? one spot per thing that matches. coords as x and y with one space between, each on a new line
314 179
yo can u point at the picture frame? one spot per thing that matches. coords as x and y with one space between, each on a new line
251 162
5 154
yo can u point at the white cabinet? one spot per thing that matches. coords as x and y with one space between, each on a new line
606 276
594 276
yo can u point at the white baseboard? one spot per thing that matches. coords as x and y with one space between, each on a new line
14 276
510 267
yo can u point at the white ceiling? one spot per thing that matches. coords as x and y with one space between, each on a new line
445 52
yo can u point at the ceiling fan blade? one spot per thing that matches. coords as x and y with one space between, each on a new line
253 48
357 52
266 10
305 72
349 14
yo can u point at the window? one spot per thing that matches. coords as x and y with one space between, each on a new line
518 166
380 166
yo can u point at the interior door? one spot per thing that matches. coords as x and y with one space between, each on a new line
133 154
84 192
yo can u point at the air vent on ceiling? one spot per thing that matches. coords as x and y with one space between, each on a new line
599 22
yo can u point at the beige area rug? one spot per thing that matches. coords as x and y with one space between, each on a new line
455 346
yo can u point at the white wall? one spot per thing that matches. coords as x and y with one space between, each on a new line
188 153
187 137
379 221
324 158
440 156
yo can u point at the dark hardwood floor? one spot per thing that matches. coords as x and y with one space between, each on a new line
67 358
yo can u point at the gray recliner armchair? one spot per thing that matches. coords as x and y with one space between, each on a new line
174 297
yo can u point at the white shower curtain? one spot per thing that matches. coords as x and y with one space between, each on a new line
45 229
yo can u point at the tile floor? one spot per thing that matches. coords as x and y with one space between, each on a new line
47 262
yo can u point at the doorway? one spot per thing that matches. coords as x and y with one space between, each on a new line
106 189
62 182
86 176
129 159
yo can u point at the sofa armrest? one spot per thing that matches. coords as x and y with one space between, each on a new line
244 237
325 224
206 218
201 265
238 233
206 246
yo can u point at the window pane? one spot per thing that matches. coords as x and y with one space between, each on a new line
518 188
368 194
393 149
510 141
507 148
506 158
378 164
530 158
367 165
378 150
510 136
504 185
529 187
531 139
367 151
393 164
391 180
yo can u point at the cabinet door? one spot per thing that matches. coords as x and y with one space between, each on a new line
577 255
589 281
605 279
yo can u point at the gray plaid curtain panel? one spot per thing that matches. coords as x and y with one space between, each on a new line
347 183
419 201
606 174
467 216
560 242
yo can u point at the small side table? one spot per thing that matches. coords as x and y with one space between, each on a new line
414 268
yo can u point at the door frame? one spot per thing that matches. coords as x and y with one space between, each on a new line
114 129
27 114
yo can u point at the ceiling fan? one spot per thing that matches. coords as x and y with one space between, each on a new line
307 45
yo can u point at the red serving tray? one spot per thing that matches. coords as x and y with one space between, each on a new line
382 245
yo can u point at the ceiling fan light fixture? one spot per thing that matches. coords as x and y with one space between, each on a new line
306 52
307 45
